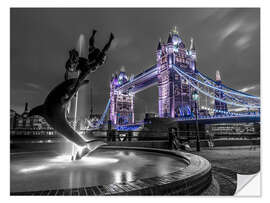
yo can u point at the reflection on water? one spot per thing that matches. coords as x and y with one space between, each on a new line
33 169
64 159
122 176
90 160
43 171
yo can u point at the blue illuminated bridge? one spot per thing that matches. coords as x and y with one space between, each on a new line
184 93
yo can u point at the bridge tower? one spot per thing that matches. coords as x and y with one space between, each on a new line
220 107
175 93
122 104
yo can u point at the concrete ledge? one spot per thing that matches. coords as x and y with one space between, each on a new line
192 180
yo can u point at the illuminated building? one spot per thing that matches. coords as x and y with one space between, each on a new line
121 104
175 93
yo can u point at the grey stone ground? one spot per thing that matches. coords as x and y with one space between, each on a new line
227 162
240 159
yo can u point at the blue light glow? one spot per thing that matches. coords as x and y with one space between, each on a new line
128 127
104 113
209 79
209 95
135 79
230 92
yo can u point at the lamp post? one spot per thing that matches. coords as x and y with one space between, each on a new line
195 97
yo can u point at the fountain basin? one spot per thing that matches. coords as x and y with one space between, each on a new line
111 170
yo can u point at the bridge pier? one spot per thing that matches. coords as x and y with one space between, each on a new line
122 103
175 93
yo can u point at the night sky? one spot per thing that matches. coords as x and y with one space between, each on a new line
225 39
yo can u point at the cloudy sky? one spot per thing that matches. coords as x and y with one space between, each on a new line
226 39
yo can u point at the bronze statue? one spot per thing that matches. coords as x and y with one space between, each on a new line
54 107
84 66
72 62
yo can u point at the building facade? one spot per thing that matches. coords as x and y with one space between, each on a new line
24 125
122 104
175 94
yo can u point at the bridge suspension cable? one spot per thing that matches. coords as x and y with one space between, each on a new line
100 122
232 97
232 91
213 85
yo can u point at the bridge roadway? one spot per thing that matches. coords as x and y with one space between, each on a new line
141 81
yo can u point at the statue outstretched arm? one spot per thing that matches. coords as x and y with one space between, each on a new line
101 55
92 40
95 58
107 46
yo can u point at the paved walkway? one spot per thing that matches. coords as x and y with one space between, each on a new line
228 161
240 159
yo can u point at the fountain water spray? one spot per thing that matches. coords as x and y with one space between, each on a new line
81 50
81 46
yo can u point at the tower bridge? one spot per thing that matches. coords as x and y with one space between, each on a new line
183 91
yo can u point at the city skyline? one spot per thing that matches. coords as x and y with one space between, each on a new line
224 39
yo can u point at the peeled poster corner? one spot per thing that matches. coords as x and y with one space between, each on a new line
248 185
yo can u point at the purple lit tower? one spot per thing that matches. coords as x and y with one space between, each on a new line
175 94
121 106
220 107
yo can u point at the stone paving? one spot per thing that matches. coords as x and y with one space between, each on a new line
240 159
228 161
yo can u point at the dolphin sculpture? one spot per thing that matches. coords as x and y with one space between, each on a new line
53 111
54 107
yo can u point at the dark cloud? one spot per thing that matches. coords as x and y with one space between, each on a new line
226 39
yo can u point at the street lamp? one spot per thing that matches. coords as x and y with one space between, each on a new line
195 97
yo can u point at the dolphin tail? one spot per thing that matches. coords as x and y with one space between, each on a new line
39 110
91 146
94 144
